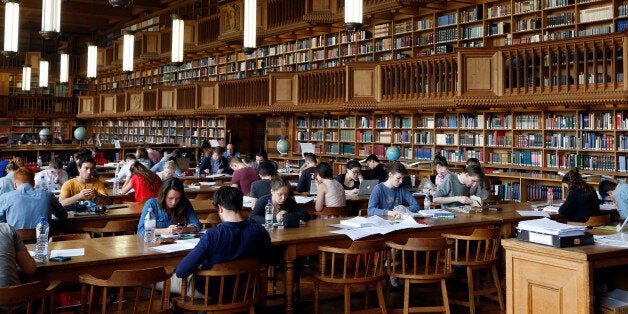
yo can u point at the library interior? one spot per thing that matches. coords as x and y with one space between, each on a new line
496 133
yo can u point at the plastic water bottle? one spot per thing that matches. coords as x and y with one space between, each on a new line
149 227
71 158
43 183
40 163
116 185
426 202
198 171
269 213
550 196
41 246
287 166
51 183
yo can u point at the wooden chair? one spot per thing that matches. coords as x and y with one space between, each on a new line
113 227
341 211
27 235
211 221
122 280
360 264
594 221
14 297
228 287
478 251
202 197
72 236
420 261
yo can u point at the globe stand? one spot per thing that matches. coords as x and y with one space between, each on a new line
283 147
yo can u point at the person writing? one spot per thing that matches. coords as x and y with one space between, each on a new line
205 167
330 192
84 186
13 254
234 238
455 190
6 182
54 175
220 164
351 179
172 209
581 202
243 175
145 182
282 202
390 193
483 188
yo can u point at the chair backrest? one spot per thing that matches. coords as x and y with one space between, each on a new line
72 236
594 221
211 221
362 262
121 280
425 259
230 287
13 296
341 211
113 227
479 248
27 235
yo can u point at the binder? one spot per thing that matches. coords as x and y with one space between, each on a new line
554 240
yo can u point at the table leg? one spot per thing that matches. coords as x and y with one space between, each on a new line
290 257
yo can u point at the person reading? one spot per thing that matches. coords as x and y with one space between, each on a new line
243 175
53 177
282 202
581 202
144 182
305 178
351 179
84 186
391 193
455 190
330 192
378 171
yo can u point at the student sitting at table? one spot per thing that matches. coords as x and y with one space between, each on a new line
442 171
351 179
234 238
84 186
123 169
606 191
260 157
220 164
243 175
6 182
621 199
23 207
145 182
305 178
582 201
378 169
390 193
72 168
282 202
172 209
455 190
206 163
142 156
53 177
170 171
259 188
13 253
483 188
330 192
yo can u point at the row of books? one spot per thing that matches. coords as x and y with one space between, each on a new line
586 162
539 192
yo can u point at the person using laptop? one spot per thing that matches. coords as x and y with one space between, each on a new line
391 193
351 179
330 192
378 171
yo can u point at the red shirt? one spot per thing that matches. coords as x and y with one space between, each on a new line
142 188
243 178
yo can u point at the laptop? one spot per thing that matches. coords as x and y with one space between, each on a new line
313 187
366 187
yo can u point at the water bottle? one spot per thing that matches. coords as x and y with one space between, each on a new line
43 182
41 246
71 158
198 171
426 202
51 183
40 163
550 196
269 211
287 166
149 227
116 185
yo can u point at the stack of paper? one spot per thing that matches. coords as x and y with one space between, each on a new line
548 226
371 221
436 213
360 227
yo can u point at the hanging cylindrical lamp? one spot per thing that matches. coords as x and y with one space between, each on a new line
120 3
353 15
92 55
250 26
64 67
43 72
11 26
26 77
50 19
128 43
178 27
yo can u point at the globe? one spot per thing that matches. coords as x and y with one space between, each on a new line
283 146
393 153
44 132
80 133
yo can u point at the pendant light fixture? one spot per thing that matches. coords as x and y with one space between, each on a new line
250 25
92 55
178 26
43 72
64 67
353 15
50 19
128 42
26 77
120 3
11 26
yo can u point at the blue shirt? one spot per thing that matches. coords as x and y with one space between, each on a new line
162 218
6 183
3 167
206 163
384 199
221 163
621 198
159 167
23 207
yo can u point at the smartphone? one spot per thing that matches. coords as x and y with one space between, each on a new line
60 259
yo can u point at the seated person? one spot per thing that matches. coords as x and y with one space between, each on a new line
243 175
6 182
330 192
145 183
220 164
84 186
442 171
206 163
282 202
229 152
351 179
234 238
142 156
305 178
259 188
606 191
620 196
262 156
169 171
483 188
3 165
23 207
455 190
13 254
390 193
377 168
582 201
54 176
72 167
172 209
123 169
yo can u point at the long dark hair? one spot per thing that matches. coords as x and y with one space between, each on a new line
574 182
149 177
178 212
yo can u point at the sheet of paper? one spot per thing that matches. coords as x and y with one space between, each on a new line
67 252
617 239
214 143
532 213
300 199
117 144
247 201
204 183
608 206
548 226
179 245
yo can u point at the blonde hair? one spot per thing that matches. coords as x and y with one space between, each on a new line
15 164
170 165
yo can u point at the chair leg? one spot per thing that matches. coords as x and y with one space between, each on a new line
443 289
380 297
366 296
347 298
251 309
471 290
316 296
498 285
406 296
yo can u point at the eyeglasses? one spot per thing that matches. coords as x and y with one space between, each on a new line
356 172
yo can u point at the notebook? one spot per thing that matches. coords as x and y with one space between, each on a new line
366 186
